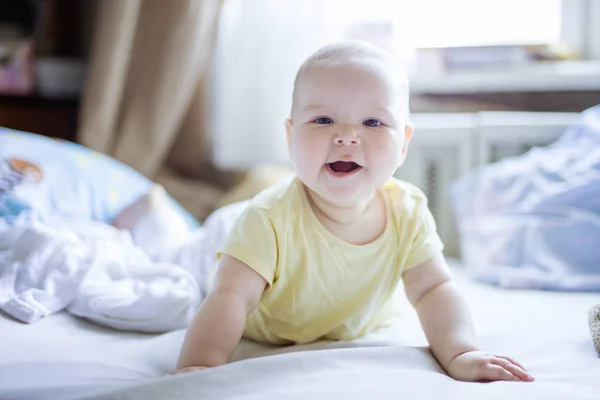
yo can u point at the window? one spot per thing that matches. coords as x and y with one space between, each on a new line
439 23
444 23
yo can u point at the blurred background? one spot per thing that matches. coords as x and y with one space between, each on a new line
194 93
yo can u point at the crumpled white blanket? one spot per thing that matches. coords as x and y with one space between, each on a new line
94 271
198 252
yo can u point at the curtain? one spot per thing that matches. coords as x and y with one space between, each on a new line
144 87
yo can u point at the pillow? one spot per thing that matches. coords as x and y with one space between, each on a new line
59 178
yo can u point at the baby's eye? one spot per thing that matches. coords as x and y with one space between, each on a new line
323 121
373 123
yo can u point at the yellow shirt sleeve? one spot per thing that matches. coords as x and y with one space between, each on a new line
253 241
427 242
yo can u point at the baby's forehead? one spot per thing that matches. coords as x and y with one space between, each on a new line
366 68
318 78
375 65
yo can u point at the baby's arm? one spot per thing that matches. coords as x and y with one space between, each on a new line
447 324
219 324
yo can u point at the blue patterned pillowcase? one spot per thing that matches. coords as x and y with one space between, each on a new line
64 179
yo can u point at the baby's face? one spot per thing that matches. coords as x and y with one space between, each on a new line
347 135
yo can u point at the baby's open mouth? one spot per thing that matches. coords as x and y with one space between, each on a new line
343 167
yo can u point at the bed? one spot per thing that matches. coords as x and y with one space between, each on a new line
63 357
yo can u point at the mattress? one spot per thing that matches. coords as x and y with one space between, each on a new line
63 357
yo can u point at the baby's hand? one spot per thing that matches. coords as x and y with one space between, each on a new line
479 366
186 369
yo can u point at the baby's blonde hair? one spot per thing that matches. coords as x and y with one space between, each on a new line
351 52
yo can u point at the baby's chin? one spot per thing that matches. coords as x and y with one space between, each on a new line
345 191
341 196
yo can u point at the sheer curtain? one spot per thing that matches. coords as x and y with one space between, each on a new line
260 45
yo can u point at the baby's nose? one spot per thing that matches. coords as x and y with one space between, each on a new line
346 139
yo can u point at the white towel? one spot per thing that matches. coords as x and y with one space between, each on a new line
93 269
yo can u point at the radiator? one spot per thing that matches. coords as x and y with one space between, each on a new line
446 146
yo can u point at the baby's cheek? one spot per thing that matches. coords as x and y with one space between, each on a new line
305 154
385 155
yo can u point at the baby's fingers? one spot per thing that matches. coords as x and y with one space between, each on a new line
513 368
513 361
494 372
188 369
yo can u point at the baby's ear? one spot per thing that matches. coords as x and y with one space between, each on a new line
408 134
288 132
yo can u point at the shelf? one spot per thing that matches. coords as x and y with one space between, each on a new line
37 100
543 77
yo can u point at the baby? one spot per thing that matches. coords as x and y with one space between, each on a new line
318 257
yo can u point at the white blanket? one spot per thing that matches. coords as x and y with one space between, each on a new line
94 271
62 357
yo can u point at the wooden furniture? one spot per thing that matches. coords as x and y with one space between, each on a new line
49 117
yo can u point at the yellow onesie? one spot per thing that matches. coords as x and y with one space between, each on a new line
320 287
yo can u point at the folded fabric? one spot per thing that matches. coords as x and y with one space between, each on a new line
142 296
95 271
533 221
594 320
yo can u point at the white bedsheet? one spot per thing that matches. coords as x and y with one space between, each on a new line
62 357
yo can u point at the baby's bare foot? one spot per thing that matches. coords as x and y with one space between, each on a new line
131 216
